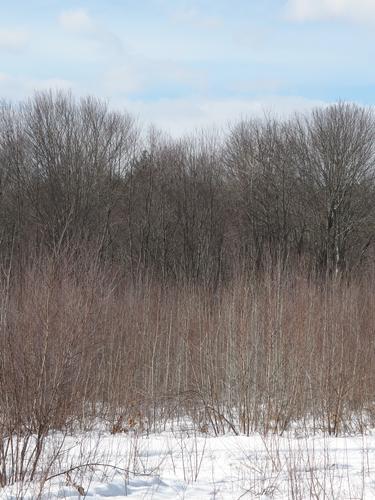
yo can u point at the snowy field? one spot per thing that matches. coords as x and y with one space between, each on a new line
185 464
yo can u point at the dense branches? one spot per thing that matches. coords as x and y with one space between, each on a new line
196 208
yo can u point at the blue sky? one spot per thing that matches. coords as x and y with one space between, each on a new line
183 64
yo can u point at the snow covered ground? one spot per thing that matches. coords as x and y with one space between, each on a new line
184 464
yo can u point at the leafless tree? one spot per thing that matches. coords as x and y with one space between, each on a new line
334 154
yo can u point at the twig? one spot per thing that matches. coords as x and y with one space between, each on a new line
95 464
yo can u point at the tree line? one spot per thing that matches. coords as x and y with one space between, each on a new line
73 172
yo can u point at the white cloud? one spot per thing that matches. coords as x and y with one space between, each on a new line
3 77
13 40
175 116
136 74
123 79
49 84
316 10
77 20
191 15
16 88
180 116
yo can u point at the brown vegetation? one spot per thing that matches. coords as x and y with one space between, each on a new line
146 279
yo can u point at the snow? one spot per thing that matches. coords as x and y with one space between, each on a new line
186 464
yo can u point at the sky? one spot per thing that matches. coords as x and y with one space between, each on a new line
187 64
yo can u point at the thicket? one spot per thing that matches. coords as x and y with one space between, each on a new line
226 277
198 208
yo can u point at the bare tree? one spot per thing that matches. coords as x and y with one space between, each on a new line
335 159
263 179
